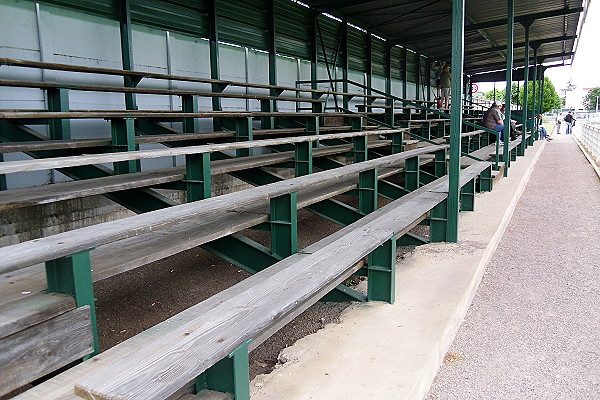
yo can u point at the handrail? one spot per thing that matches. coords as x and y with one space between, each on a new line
590 138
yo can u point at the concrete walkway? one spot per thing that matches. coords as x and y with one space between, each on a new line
382 351
533 331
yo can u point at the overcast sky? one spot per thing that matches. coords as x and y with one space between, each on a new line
585 71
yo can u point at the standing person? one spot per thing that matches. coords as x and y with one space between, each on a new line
438 71
492 119
570 121
446 83
558 122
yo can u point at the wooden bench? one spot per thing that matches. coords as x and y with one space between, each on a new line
348 247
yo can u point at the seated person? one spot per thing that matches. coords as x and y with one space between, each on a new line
492 119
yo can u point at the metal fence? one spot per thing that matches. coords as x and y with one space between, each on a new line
589 135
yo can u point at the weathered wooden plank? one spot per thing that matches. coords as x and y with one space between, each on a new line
31 310
73 161
24 357
43 249
168 363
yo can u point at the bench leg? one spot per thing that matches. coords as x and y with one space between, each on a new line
485 180
303 158
440 163
58 100
189 104
361 147
197 176
397 142
438 221
367 191
284 225
123 139
73 275
382 272
411 173
267 106
467 196
312 128
230 375
243 132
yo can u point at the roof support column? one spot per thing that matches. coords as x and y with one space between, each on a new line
428 78
418 75
389 102
272 49
213 35
314 75
344 59
127 52
521 150
541 96
510 36
534 101
458 49
369 66
404 68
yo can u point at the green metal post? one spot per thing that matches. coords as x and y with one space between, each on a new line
230 375
189 104
404 73
197 176
397 142
389 102
534 131
284 225
438 223
440 162
510 34
486 180
58 100
73 275
368 191
243 132
541 97
361 148
303 158
314 75
3 185
213 36
123 139
458 21
272 49
267 106
467 196
369 66
523 145
127 51
344 60
412 173
381 284
312 128
418 76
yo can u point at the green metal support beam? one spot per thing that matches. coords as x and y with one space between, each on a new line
534 131
368 193
284 225
344 61
404 68
189 104
58 100
242 252
382 272
123 139
229 375
213 36
510 34
127 51
197 176
524 119
458 46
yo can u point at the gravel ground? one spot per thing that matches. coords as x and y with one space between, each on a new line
533 330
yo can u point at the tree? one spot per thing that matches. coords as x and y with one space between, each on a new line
551 98
591 99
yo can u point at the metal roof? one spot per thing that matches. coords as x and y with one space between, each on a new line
425 26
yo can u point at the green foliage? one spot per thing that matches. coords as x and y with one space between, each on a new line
551 98
590 99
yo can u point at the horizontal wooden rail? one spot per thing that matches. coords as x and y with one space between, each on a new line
152 75
10 167
85 114
63 244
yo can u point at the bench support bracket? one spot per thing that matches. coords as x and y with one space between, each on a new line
197 176
73 275
284 225
303 158
382 272
230 375
411 173
123 139
367 191
438 222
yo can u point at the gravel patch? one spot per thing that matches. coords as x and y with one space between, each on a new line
532 331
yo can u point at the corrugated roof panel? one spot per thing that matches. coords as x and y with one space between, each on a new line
177 16
243 22
357 49
103 8
292 25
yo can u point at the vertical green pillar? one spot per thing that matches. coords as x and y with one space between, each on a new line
272 49
397 142
123 139
367 191
230 375
404 72
534 131
541 96
428 78
389 102
243 132
213 36
73 275
458 21
284 225
344 60
523 145
312 128
58 100
440 162
189 104
3 185
197 176
360 148
418 76
381 272
467 196
369 66
314 65
438 223
127 51
510 35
